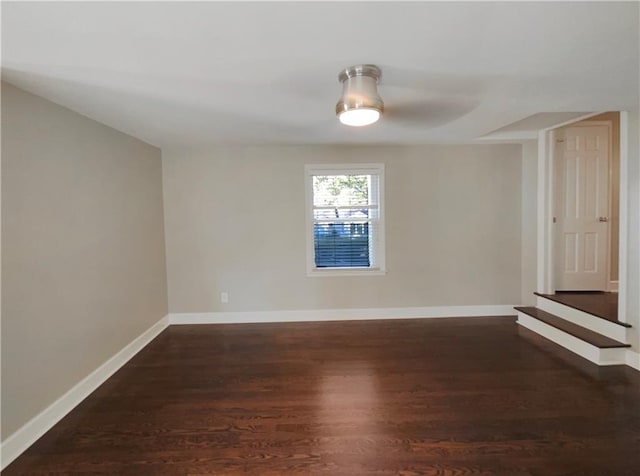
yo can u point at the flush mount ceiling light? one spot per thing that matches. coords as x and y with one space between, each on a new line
360 104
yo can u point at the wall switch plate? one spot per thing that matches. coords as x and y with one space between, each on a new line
224 297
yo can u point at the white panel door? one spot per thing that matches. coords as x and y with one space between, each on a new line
582 219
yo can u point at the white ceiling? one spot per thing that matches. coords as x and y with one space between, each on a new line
191 74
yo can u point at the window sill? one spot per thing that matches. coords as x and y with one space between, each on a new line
317 272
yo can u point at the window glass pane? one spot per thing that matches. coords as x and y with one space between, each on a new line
340 190
340 245
346 215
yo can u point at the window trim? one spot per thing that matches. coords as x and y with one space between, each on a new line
348 169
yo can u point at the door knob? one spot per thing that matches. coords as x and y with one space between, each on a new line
603 219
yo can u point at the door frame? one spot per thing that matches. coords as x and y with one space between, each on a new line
546 202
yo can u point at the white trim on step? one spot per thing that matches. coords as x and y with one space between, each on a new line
584 319
19 441
340 314
633 359
615 356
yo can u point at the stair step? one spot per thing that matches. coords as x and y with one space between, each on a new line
570 328
580 302
589 321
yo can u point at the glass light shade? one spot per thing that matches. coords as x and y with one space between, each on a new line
360 104
359 117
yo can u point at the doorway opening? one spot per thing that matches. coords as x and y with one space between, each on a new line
580 197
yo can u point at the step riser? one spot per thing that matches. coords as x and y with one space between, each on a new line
616 356
584 319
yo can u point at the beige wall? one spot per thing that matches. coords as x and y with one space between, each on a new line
529 222
82 245
235 222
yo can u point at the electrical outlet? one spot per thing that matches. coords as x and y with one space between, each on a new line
224 297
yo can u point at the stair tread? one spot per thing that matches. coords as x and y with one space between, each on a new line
575 330
598 311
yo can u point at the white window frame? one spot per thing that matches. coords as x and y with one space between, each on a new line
345 169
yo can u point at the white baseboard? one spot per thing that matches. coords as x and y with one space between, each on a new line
340 314
19 441
613 286
633 359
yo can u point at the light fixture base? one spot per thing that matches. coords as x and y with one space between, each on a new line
370 70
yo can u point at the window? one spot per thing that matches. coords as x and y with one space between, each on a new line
345 219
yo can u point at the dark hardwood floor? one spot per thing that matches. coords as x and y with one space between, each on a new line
438 397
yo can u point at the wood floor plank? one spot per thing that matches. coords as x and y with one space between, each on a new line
461 396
